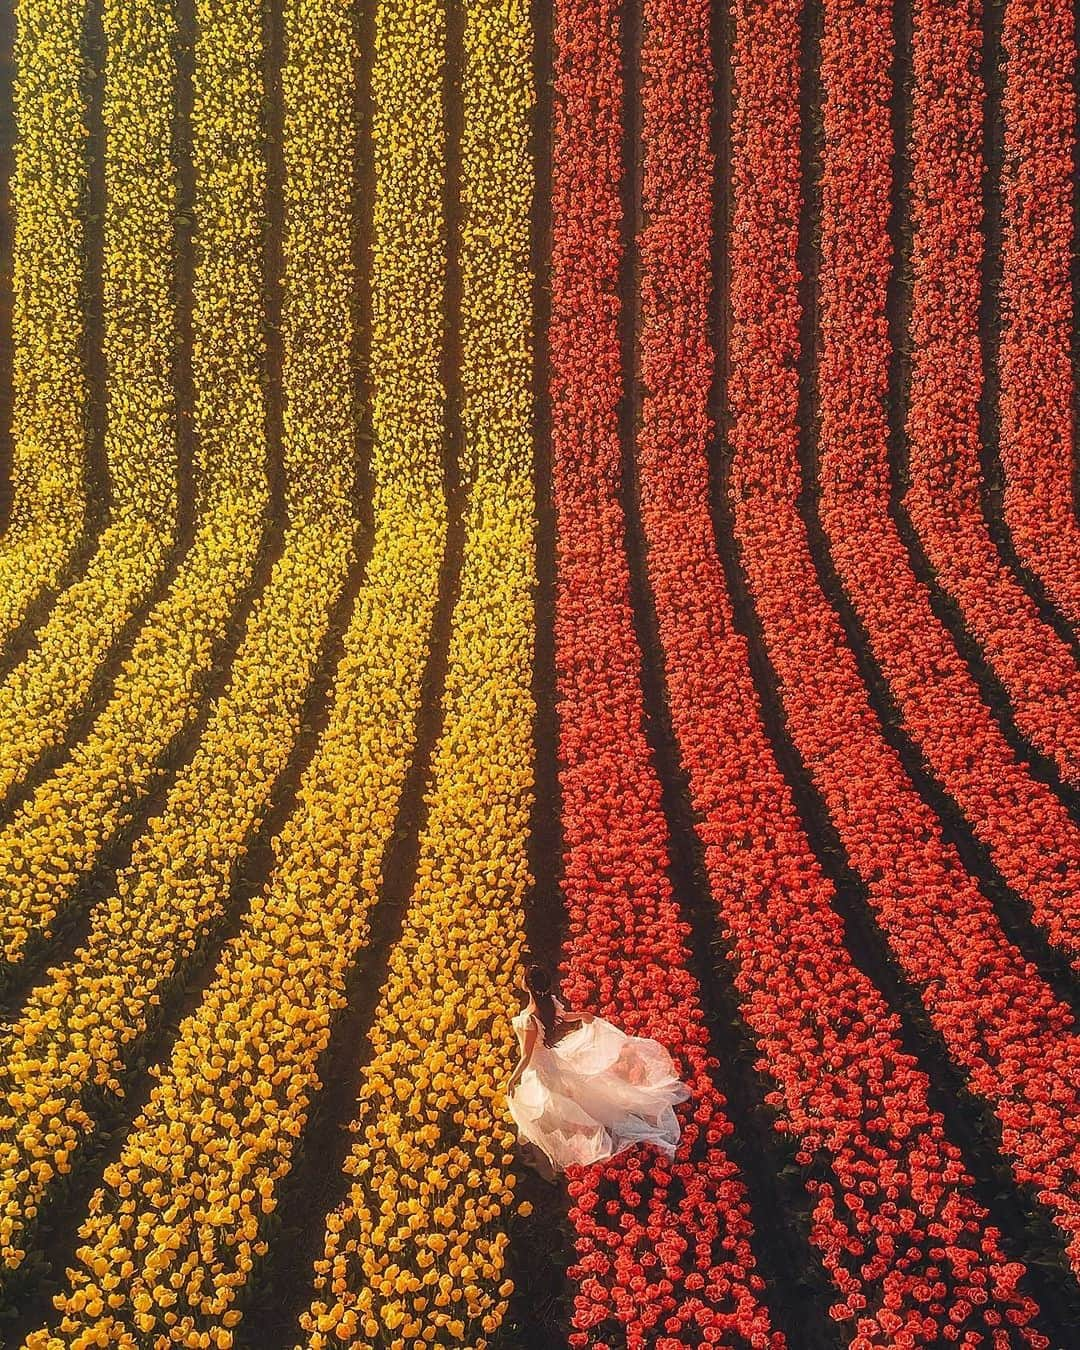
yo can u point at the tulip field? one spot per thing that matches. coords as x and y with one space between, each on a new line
583 481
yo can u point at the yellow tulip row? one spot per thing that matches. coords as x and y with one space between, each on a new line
139 302
84 1023
497 200
177 1226
58 832
408 254
415 1255
48 191
39 698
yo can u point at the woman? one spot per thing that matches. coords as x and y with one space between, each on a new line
582 1089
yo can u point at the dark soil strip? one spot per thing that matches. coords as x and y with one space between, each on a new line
541 1246
1013 912
72 926
7 234
1028 1233
545 918
898 309
283 1286
186 237
95 469
796 1293
993 482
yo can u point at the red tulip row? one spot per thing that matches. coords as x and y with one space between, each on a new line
663 1246
943 432
908 1248
1036 435
999 1021
1034 844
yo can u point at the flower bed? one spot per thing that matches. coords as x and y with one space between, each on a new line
663 1250
1027 830
81 1028
943 429
250 1052
57 834
49 183
416 1252
1037 434
893 1218
1001 1024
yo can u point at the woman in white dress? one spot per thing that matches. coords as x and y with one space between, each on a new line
582 1089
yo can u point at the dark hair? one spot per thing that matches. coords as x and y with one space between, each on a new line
539 982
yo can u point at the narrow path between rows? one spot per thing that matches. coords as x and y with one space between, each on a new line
540 1247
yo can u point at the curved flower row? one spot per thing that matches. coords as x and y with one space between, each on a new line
57 833
415 1254
943 431
907 1247
663 1247
220 1129
1001 1024
1034 844
48 206
83 1024
1036 439
39 698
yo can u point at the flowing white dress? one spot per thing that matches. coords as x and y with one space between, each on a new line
595 1092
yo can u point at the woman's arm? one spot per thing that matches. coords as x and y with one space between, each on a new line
526 1052
569 1015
